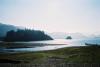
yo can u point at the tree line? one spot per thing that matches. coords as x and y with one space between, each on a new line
26 35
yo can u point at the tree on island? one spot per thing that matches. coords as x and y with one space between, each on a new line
68 37
26 35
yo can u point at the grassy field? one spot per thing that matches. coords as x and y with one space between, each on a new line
86 54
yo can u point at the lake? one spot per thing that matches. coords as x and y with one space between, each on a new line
46 45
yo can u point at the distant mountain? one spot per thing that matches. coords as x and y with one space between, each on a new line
94 36
76 35
4 28
58 35
62 35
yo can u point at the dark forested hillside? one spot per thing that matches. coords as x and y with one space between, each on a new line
26 35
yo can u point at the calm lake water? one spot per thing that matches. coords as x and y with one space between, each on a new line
49 45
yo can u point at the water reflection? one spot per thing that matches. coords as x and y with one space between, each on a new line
48 45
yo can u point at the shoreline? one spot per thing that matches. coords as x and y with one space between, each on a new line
86 54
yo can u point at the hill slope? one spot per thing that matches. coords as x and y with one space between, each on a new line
4 28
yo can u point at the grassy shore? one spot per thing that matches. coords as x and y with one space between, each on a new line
85 54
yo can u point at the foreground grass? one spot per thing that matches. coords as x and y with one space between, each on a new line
86 54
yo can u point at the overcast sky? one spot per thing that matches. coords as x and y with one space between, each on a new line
53 15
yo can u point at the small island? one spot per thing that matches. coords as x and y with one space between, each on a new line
68 37
26 35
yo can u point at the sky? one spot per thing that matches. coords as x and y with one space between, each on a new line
53 15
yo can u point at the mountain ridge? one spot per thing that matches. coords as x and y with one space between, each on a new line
4 28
